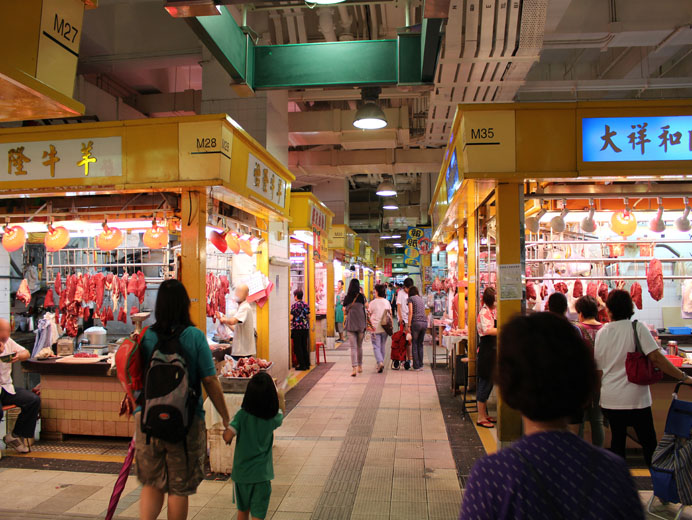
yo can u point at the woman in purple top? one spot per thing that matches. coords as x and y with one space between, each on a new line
546 372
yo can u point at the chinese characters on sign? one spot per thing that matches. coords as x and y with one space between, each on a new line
388 267
318 218
266 183
418 242
66 159
619 139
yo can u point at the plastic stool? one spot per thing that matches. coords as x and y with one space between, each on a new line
319 345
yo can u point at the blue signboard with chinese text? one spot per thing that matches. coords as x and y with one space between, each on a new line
452 177
618 139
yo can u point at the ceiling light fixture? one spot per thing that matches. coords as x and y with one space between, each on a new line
369 115
312 3
395 236
390 204
386 189
683 223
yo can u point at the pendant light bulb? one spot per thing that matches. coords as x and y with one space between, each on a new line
683 223
588 224
370 115
557 223
657 224
386 189
533 224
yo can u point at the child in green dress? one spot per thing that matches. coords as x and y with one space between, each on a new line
253 470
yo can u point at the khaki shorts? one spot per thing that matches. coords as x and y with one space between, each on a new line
163 465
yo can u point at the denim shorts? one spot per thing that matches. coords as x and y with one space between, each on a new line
485 386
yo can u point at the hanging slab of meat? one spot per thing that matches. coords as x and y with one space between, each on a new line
141 287
122 282
578 290
636 293
603 291
71 288
48 300
115 293
544 292
122 315
592 289
23 293
72 314
531 292
134 310
80 294
561 287
86 314
98 282
57 283
109 281
654 279
132 284
603 315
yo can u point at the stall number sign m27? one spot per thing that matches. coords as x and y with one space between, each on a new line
620 139
63 159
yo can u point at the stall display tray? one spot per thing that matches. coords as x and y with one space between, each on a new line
238 385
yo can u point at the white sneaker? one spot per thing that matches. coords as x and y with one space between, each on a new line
15 443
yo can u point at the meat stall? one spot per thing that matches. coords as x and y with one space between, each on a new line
109 212
568 197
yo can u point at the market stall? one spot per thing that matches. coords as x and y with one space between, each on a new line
598 205
109 211
311 269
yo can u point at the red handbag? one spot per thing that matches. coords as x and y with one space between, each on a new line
640 370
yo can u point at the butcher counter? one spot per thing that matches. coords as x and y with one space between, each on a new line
84 398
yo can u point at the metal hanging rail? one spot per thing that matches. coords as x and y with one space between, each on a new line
622 260
598 278
642 242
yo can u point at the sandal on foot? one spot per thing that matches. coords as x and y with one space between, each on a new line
492 420
485 424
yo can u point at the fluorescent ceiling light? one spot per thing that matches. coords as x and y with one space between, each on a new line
324 2
386 189
395 236
385 237
304 236
370 117
390 204
398 245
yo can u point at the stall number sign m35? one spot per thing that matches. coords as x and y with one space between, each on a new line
63 159
620 139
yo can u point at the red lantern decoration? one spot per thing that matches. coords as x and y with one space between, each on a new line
232 241
624 223
219 240
109 239
14 238
56 238
156 237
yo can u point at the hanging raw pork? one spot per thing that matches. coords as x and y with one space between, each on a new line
578 291
654 279
636 293
23 293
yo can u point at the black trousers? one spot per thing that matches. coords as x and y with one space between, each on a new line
30 405
300 347
643 423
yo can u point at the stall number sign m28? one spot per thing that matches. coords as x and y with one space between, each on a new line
266 183
66 159
619 139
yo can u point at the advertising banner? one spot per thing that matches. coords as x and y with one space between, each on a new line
388 267
418 242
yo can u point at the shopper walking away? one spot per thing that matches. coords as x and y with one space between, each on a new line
300 330
587 309
253 426
625 403
28 402
243 325
487 347
418 326
402 313
176 468
356 322
379 308
339 309
545 372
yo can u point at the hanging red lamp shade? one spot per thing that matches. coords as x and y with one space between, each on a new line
109 239
14 238
624 223
156 237
56 238
233 244
219 240
246 247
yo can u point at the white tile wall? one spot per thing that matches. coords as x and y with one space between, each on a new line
278 316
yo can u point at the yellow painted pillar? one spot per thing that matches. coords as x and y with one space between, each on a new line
310 288
262 318
461 275
330 298
193 253
510 246
473 252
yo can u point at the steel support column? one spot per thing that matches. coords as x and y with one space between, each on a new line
193 241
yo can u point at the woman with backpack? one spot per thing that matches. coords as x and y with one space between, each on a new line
169 454
356 323
380 313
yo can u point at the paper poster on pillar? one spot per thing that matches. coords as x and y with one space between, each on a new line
511 286
418 242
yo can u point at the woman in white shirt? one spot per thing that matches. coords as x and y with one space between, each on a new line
625 403
377 309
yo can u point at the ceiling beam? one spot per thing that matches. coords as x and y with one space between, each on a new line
343 163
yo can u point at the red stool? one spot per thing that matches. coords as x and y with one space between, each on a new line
319 345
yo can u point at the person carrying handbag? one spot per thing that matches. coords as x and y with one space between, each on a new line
628 361
355 325
381 320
